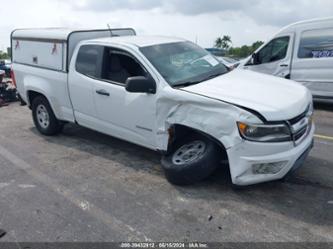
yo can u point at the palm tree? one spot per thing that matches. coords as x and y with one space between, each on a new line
218 42
223 42
226 41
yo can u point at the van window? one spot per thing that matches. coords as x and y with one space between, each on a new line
316 44
89 60
273 51
118 66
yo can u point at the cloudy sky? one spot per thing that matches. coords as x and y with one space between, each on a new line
203 20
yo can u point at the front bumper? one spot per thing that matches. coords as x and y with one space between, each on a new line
299 162
244 156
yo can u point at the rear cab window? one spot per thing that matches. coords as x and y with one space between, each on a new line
89 60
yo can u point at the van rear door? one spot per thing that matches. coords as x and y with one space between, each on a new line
313 61
274 58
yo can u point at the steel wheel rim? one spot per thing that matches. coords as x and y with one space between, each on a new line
189 152
43 117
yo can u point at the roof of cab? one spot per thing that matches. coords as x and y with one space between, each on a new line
138 41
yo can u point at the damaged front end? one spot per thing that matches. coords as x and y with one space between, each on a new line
269 156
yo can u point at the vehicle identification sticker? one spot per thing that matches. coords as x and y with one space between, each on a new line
322 53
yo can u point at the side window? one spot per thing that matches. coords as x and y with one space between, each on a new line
316 44
89 60
274 51
264 55
118 66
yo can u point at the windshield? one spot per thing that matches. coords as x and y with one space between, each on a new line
183 63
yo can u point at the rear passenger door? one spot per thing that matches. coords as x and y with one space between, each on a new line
313 61
274 58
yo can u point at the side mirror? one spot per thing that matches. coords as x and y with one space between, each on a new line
255 59
140 84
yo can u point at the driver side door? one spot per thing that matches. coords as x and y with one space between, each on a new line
274 58
126 115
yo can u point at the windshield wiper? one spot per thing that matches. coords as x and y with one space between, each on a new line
214 76
188 83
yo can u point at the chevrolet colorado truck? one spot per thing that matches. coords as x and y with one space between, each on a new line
166 94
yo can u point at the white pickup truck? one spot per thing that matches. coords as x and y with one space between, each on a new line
166 94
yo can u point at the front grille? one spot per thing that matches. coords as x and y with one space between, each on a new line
299 117
299 126
300 133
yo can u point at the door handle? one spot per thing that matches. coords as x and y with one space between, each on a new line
284 65
102 92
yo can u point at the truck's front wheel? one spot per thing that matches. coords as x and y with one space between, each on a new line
191 160
44 118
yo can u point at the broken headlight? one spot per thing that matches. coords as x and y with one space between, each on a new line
264 133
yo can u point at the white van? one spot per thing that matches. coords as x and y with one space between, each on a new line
303 52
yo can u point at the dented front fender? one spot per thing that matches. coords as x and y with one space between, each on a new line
210 116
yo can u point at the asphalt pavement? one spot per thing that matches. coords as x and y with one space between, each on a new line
86 186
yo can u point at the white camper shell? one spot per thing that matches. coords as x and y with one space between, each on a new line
302 52
52 48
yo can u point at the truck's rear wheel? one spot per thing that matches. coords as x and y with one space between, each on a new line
44 118
191 160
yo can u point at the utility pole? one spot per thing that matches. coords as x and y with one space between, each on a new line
109 29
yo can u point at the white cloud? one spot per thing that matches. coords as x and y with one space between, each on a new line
245 21
277 12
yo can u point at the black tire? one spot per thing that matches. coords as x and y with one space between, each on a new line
54 125
193 171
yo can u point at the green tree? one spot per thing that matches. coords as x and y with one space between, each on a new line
9 52
244 51
223 42
226 42
3 55
218 42
256 45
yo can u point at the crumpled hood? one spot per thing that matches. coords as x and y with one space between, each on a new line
274 98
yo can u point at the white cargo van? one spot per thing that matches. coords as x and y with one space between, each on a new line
166 94
303 52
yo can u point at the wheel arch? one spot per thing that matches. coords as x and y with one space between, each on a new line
32 94
177 131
